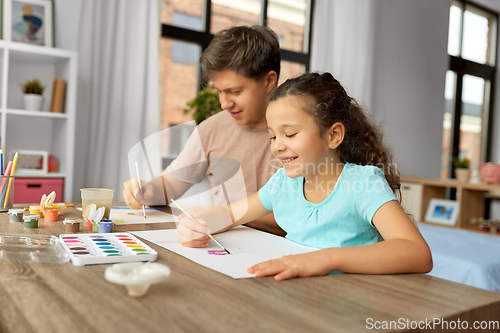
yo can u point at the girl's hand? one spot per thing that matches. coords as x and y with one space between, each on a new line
301 265
191 233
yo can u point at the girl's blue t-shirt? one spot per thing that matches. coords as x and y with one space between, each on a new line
343 219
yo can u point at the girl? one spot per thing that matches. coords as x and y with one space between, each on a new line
336 191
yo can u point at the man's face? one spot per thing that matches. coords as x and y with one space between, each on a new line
245 99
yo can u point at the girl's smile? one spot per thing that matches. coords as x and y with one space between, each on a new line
287 160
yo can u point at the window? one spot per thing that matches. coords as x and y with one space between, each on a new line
186 52
472 44
188 27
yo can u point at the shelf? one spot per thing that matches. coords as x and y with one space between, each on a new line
452 183
471 198
27 174
43 114
41 131
24 52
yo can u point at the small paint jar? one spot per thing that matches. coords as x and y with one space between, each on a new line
31 220
35 209
106 226
16 215
51 214
72 224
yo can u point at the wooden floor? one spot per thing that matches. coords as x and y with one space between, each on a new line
42 297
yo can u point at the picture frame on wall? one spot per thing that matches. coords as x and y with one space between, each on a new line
28 21
442 211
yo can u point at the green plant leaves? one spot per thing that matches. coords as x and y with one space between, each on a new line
206 104
33 87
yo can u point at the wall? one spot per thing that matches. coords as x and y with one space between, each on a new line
410 63
391 56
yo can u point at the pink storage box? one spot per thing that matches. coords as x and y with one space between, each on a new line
30 190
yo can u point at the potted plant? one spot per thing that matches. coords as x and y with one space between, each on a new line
33 91
206 104
462 172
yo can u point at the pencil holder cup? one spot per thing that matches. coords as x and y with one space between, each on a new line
95 227
6 193
106 226
101 197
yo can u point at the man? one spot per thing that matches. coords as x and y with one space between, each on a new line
244 65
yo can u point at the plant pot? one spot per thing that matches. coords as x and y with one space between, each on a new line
462 175
33 102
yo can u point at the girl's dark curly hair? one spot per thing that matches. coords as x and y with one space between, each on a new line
327 102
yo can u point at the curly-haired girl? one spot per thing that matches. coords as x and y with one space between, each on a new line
336 191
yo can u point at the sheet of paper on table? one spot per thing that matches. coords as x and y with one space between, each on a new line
247 246
131 216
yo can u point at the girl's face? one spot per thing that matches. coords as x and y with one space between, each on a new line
295 138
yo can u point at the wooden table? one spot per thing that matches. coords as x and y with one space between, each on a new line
42 297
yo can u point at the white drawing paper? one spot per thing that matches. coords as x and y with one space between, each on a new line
131 216
247 246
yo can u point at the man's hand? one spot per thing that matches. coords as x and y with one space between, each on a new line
131 188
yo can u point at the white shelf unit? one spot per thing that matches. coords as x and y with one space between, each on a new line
38 130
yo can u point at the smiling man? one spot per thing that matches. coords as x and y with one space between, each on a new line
243 64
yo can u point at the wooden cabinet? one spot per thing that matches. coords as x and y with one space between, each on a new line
22 130
471 198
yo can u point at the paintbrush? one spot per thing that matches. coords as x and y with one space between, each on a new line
192 218
140 188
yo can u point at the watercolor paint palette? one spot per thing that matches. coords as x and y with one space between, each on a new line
106 248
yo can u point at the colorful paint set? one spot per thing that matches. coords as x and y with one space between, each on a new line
89 249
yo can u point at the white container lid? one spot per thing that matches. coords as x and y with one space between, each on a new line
31 216
137 277
16 211
72 220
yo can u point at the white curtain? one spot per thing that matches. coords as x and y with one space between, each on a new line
118 87
343 45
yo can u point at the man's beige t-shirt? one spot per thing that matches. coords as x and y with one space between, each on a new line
217 138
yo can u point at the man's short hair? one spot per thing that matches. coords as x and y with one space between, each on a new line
253 51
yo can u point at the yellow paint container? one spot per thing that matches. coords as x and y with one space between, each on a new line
35 209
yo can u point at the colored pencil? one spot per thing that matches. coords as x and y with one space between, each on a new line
192 218
1 162
3 188
10 180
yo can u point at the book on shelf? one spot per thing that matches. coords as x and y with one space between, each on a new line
58 90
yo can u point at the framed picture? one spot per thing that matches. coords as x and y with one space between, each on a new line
442 212
31 162
28 21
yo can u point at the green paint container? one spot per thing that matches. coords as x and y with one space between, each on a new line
31 220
